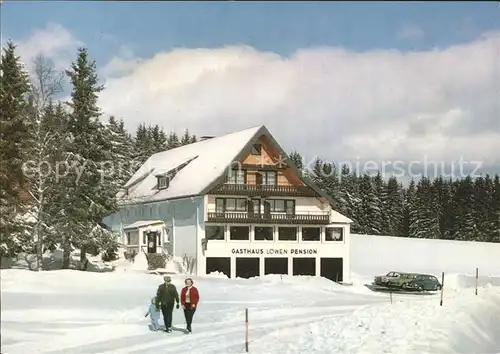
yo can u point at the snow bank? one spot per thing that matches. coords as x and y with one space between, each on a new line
374 255
464 324
140 262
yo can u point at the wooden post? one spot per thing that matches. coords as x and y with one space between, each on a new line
442 289
246 330
477 276
390 293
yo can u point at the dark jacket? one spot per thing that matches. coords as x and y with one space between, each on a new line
166 294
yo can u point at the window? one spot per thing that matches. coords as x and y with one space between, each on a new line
256 206
287 234
269 178
150 211
282 206
158 238
128 238
256 149
237 176
230 204
311 234
214 232
144 240
239 233
128 213
163 182
264 233
334 234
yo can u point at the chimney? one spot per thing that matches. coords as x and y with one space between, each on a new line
206 137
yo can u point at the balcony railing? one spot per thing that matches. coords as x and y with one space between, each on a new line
230 217
253 190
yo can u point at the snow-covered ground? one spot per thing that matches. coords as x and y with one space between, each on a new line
61 312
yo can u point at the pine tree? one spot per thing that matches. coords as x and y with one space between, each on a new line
410 226
122 151
426 221
13 142
370 213
394 208
158 139
350 198
382 202
494 220
142 146
481 208
463 202
172 141
297 161
90 189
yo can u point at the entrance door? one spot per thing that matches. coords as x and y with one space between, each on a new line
152 236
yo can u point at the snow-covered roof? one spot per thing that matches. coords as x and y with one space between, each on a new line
142 223
209 160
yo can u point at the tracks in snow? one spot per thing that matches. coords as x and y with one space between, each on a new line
225 336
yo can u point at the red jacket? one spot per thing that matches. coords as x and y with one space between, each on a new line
194 296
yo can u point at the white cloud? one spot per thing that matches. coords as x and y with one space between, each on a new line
54 42
443 104
340 104
410 32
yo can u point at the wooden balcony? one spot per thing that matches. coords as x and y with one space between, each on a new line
229 217
253 190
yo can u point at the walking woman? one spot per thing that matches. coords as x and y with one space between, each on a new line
189 301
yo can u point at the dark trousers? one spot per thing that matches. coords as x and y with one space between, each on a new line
188 314
167 310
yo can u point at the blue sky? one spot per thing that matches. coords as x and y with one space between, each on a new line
281 27
343 80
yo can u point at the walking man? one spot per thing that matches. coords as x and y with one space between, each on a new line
166 296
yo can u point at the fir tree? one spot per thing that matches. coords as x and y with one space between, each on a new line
172 141
90 189
370 213
394 208
349 197
122 151
13 143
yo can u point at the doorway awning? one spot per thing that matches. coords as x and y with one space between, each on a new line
143 223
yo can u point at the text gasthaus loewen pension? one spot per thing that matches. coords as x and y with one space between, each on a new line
282 251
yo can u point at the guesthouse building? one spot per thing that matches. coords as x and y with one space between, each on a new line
237 205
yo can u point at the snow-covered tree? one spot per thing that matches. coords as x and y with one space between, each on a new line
89 189
46 132
14 91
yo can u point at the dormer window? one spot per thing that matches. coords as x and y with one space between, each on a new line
163 182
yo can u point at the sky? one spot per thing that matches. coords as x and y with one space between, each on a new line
344 81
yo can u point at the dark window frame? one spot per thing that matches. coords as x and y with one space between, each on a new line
239 227
263 227
256 149
163 182
286 239
287 204
216 226
311 227
237 208
327 236
236 176
266 179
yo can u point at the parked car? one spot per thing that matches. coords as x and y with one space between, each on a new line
421 282
391 279
408 281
